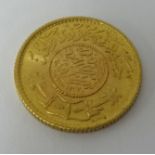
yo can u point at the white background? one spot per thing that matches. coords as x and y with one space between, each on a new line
20 132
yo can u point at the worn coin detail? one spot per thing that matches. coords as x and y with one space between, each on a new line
77 74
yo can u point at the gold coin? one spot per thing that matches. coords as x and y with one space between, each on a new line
77 74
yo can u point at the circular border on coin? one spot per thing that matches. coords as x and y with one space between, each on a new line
96 85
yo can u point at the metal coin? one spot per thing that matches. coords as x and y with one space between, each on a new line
77 74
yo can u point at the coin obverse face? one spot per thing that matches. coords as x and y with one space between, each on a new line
77 74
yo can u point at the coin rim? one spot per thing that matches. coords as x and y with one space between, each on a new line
25 101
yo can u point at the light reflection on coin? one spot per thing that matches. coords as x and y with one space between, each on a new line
77 74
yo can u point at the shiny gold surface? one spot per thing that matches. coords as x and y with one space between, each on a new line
77 74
